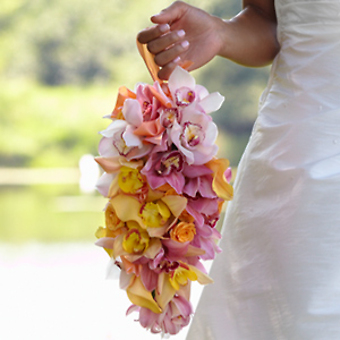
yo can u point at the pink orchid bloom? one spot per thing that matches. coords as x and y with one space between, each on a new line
208 243
164 168
133 136
175 316
118 139
148 102
185 92
198 181
169 115
195 136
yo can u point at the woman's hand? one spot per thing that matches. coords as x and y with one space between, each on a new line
182 33
186 33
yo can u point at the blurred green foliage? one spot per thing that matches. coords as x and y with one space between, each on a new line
49 214
61 64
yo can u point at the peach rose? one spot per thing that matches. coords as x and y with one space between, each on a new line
183 232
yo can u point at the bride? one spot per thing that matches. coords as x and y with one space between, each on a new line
278 277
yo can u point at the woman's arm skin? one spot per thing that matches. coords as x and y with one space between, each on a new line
184 32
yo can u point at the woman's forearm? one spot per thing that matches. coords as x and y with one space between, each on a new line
250 37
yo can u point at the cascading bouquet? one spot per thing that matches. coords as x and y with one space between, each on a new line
165 190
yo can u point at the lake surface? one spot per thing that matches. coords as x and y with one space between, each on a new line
52 275
58 291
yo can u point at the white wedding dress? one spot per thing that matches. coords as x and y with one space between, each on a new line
278 277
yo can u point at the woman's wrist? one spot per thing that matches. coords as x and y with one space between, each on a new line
248 38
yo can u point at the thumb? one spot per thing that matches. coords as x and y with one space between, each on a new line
170 14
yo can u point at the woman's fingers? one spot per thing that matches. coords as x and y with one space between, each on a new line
165 41
170 14
167 45
166 71
171 53
152 33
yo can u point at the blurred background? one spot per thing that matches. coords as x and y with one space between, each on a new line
61 64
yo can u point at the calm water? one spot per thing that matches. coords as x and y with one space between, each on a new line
58 291
52 275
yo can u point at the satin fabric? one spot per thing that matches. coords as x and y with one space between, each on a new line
278 277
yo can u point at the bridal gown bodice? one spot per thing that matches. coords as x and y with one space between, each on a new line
278 277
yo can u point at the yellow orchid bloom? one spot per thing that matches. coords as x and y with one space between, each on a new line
136 240
186 272
155 214
130 180
181 275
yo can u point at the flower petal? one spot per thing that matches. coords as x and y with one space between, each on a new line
194 171
204 154
180 78
105 242
201 91
104 183
154 248
191 187
149 278
175 133
175 203
137 153
133 112
132 308
160 95
123 94
205 187
166 293
202 278
149 129
220 183
116 126
184 306
155 181
147 318
176 180
130 138
211 133
109 164
212 102
125 279
127 208
106 148
139 296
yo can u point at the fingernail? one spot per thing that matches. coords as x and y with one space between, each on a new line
185 44
164 28
177 60
181 33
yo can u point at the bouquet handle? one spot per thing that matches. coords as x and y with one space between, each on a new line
152 67
148 58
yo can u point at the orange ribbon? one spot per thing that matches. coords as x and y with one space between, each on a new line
153 68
